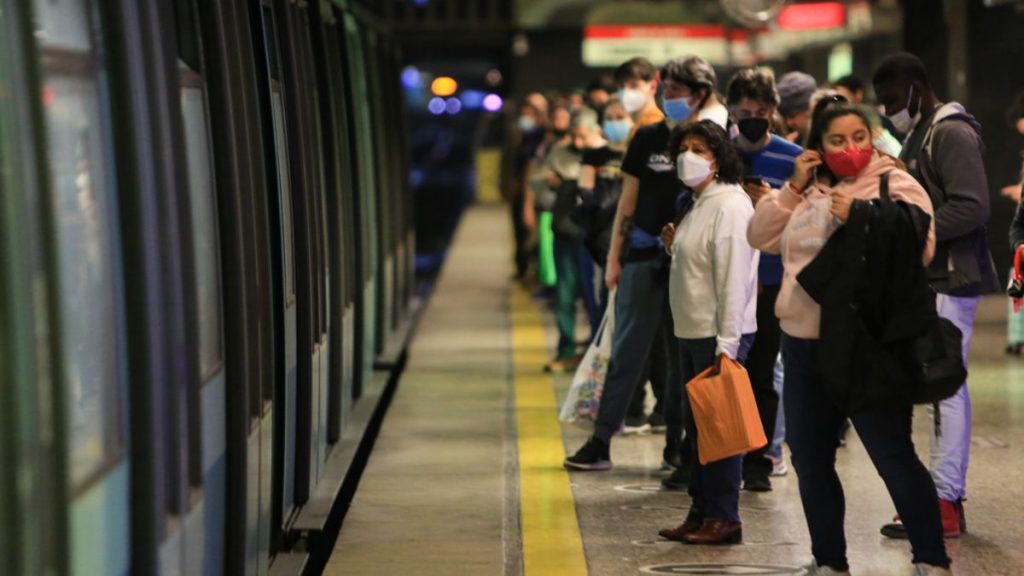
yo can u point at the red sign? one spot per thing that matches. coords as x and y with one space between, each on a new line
816 16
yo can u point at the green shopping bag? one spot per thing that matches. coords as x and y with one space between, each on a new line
546 245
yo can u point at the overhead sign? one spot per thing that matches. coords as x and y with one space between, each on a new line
608 45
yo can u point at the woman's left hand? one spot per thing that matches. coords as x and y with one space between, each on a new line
841 203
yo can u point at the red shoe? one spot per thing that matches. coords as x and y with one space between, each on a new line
717 532
954 523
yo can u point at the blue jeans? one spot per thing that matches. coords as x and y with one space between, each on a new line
812 426
714 487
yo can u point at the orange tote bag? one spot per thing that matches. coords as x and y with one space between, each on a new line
727 419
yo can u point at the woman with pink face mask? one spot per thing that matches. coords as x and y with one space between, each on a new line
840 167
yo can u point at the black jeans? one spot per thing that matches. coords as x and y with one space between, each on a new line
522 235
761 367
812 426
715 486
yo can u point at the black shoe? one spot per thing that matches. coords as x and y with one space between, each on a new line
757 484
895 530
678 480
657 422
594 455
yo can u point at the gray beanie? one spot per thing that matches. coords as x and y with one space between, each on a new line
795 90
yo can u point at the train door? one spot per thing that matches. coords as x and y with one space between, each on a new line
87 319
205 403
279 190
366 200
33 494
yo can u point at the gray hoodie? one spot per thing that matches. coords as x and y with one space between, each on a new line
944 152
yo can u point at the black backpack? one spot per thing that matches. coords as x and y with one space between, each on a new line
931 366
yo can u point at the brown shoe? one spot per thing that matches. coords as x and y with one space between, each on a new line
715 532
679 533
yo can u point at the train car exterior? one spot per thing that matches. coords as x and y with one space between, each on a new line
205 253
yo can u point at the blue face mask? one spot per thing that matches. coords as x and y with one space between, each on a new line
616 131
677 109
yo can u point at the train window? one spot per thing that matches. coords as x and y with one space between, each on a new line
86 234
204 223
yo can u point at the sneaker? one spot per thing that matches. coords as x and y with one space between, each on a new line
563 365
678 480
922 569
813 569
757 484
594 455
657 422
779 467
954 523
636 425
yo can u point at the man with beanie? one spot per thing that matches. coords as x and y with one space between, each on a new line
943 151
795 90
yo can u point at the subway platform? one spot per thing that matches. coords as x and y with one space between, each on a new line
466 475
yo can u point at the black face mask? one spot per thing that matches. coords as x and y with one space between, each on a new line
559 133
753 129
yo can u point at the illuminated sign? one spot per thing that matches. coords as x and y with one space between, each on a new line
610 44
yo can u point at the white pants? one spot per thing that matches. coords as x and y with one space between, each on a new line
951 437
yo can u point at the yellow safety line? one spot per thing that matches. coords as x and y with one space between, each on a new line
552 543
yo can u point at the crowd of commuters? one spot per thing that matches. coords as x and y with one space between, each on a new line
713 219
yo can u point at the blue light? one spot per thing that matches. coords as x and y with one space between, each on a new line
493 103
472 99
421 2
410 77
437 106
454 106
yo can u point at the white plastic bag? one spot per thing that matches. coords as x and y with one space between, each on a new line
584 398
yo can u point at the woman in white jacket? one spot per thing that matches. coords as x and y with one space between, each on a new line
713 295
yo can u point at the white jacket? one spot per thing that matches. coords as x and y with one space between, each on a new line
713 283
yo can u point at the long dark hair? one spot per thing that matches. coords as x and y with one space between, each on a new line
730 166
825 112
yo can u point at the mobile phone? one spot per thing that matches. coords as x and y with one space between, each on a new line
754 180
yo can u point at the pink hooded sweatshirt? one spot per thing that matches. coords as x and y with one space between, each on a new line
797 226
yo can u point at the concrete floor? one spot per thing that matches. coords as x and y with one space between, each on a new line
440 494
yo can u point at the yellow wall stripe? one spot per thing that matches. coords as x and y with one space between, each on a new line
552 543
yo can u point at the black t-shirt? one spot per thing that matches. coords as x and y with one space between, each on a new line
647 160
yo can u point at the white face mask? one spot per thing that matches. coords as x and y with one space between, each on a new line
633 100
692 169
902 120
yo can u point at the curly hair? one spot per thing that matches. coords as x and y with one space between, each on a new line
730 166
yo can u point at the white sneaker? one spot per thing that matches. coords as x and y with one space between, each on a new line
813 569
779 467
922 569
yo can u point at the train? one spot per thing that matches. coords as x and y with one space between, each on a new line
206 261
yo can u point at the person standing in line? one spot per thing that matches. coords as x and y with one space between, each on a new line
795 91
841 167
943 151
600 186
636 265
554 190
531 129
713 296
637 80
769 161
